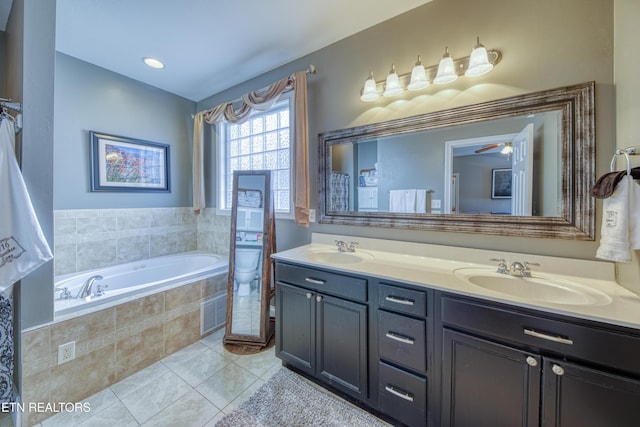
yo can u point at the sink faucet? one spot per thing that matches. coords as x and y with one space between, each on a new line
85 290
342 246
522 268
352 246
502 266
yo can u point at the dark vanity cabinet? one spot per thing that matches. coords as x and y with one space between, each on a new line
321 326
503 366
403 339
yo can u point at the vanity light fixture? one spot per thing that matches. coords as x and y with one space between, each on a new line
392 86
446 69
370 92
153 62
418 76
481 61
478 61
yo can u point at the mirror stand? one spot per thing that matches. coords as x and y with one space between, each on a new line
249 327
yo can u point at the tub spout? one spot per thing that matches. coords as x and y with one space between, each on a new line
85 290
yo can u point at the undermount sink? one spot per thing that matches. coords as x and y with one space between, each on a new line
336 257
537 288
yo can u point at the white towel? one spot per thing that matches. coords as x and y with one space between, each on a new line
614 231
23 247
422 201
634 214
402 201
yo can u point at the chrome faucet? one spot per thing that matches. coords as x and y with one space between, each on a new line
85 290
342 246
522 268
502 266
64 292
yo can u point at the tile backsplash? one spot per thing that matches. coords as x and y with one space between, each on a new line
92 238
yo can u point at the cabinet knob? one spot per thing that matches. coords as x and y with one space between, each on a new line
309 295
318 298
531 361
557 370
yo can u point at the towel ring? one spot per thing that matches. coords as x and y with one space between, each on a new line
613 161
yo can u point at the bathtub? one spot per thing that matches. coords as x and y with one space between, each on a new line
125 282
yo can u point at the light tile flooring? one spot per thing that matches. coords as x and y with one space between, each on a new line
195 386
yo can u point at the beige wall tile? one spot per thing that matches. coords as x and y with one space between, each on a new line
183 295
181 331
84 376
36 345
215 285
136 311
83 328
139 351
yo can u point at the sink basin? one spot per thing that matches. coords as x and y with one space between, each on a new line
335 257
537 288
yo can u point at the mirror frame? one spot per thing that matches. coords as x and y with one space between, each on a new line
577 106
267 328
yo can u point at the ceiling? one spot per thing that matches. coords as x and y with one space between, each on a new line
208 45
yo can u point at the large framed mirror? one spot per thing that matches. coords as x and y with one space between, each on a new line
250 286
519 166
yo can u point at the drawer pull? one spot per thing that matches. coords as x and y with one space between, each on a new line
397 300
402 339
309 295
557 370
531 361
547 337
400 394
314 281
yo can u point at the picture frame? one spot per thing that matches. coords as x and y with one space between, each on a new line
501 183
126 164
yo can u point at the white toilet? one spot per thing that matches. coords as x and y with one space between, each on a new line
246 266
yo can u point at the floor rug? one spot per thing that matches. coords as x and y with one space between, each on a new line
287 400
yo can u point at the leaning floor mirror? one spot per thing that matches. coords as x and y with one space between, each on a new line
252 242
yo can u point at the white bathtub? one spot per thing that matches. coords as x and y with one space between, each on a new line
128 281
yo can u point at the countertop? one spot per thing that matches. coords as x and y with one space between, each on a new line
433 266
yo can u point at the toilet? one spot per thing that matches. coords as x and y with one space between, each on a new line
246 266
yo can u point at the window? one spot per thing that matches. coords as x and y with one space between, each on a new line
262 142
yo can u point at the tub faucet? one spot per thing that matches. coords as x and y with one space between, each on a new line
85 290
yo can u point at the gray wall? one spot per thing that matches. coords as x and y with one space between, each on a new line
92 98
546 44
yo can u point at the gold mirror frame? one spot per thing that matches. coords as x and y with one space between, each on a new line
265 293
577 106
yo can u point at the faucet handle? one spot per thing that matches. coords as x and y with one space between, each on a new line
352 246
502 265
64 292
527 271
341 245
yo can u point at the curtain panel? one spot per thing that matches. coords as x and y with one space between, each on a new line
260 100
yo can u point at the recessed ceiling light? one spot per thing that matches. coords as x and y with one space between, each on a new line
152 62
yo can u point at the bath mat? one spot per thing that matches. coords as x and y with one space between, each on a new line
287 400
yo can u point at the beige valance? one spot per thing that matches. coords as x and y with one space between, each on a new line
261 100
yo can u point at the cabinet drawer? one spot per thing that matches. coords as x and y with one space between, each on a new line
402 340
402 395
323 281
592 343
403 300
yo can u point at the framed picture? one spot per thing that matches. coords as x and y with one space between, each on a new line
501 183
127 164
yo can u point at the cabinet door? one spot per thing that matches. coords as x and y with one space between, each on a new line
295 322
342 344
576 396
488 385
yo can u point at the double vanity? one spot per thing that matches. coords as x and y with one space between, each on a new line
442 336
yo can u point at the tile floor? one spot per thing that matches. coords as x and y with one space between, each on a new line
195 386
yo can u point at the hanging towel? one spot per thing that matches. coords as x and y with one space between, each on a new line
6 349
634 213
402 201
23 247
615 228
422 201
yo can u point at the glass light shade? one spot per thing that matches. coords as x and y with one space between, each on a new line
418 77
446 70
392 86
370 90
508 149
478 62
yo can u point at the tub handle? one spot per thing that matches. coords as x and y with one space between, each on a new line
100 290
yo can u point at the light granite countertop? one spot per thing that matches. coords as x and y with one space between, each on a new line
433 266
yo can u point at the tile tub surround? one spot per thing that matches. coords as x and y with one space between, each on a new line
111 344
86 239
